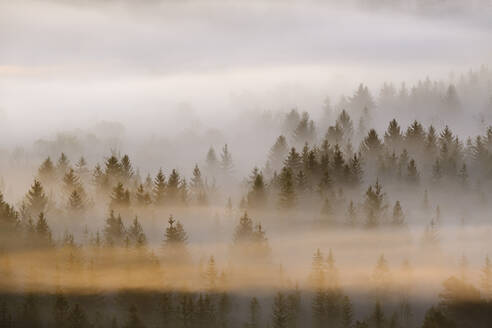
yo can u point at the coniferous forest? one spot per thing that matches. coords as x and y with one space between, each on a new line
364 209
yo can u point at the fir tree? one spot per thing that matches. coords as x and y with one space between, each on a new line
63 164
159 188
278 152
126 168
398 218
287 194
136 234
46 171
226 160
75 201
43 231
212 162
374 205
347 313
120 196
36 199
254 314
173 184
114 231
60 310
293 161
257 195
280 311
142 196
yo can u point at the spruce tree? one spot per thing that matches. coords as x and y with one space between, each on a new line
254 314
287 194
226 160
159 188
46 171
173 184
126 168
347 313
280 311
257 195
36 199
142 197
398 219
114 231
278 152
120 197
136 234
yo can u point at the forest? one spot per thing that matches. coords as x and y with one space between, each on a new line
245 164
343 225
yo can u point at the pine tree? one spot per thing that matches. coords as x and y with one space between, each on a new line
114 231
378 319
60 310
46 171
393 136
43 231
75 201
159 188
257 195
412 175
347 313
398 218
254 314
212 162
356 170
36 199
198 187
112 167
371 145
142 196
63 164
226 160
70 180
175 240
120 196
166 311
293 161
280 311
126 168
374 205
287 194
244 231
211 275
136 234
278 152
173 184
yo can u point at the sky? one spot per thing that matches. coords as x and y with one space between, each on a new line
162 66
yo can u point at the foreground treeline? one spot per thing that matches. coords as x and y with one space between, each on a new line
65 264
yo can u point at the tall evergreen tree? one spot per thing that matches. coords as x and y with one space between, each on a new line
36 199
159 188
287 194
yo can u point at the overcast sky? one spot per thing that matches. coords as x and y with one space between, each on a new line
64 65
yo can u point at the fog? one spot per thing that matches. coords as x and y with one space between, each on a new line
245 164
